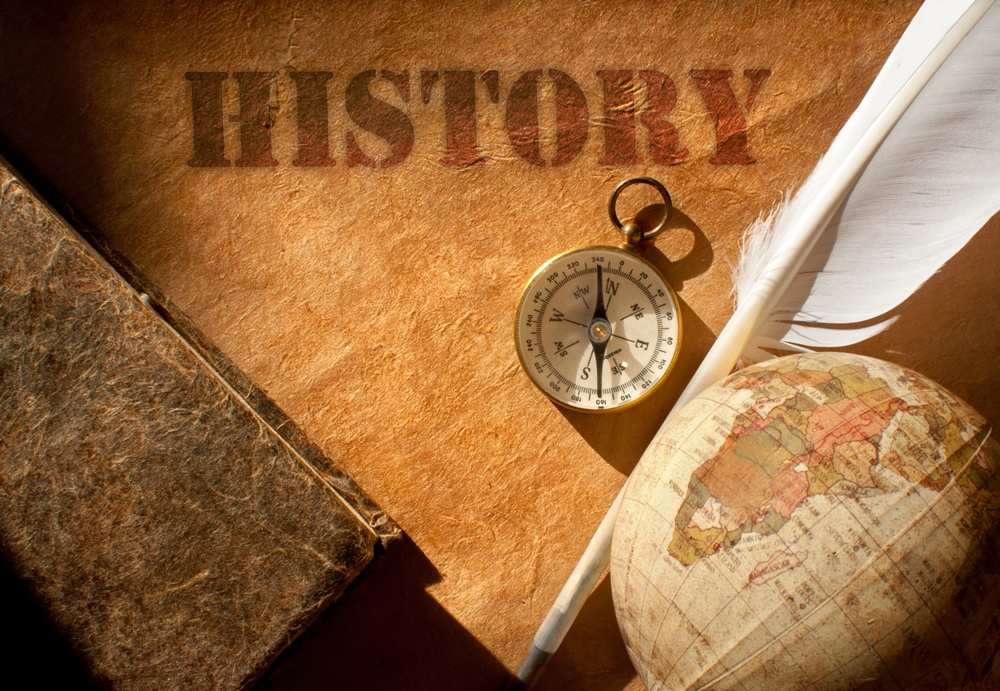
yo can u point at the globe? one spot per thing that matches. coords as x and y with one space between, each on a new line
822 521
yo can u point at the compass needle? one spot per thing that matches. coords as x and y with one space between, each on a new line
599 307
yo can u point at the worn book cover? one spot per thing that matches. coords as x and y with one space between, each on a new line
153 513
347 199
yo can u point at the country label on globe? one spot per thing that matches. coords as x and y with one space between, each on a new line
822 521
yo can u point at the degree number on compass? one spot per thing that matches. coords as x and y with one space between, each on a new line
598 328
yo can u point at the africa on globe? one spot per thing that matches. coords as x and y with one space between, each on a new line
821 521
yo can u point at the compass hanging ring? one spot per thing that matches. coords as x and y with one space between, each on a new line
630 230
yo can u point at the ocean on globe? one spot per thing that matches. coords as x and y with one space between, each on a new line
821 521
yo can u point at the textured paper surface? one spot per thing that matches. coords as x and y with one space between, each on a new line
375 305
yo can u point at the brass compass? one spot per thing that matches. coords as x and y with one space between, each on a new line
598 328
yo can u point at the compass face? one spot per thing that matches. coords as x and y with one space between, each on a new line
597 328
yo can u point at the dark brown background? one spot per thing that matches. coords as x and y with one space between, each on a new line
375 305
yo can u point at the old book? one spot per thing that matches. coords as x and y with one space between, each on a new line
174 537
348 198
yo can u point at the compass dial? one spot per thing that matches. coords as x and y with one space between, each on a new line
598 328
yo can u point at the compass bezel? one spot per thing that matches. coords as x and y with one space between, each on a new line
644 395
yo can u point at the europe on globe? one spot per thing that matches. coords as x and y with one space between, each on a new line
821 521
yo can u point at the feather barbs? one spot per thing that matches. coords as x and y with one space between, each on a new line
928 188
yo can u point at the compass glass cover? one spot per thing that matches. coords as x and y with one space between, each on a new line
597 328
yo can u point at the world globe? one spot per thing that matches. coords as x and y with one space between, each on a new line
822 521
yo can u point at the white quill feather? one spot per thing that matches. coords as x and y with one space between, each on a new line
915 205
812 246
932 184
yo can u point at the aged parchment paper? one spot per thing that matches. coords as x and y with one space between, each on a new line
374 304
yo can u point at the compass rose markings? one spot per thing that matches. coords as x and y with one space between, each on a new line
561 350
636 311
577 290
